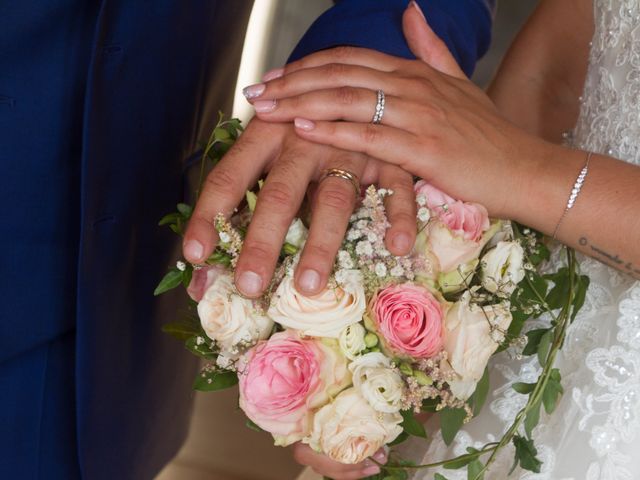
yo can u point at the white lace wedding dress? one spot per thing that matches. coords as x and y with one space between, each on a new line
595 432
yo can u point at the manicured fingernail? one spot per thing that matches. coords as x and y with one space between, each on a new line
401 242
265 106
371 470
310 280
417 7
304 124
193 250
254 91
249 283
273 74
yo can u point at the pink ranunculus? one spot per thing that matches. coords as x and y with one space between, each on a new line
285 379
466 220
410 319
202 279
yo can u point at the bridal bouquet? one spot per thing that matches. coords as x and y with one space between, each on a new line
347 370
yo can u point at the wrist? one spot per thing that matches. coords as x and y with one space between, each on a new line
548 174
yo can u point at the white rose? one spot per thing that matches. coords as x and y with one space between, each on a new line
502 268
323 315
470 342
349 430
351 340
297 233
229 319
378 383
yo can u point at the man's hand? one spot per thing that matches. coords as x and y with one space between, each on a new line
293 164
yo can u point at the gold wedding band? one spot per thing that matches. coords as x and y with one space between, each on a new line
345 175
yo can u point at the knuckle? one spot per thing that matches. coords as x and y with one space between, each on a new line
346 96
276 195
256 250
221 180
335 71
336 197
319 251
370 134
343 52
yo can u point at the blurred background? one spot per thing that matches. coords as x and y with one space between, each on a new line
220 446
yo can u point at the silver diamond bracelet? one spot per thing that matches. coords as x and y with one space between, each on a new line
575 191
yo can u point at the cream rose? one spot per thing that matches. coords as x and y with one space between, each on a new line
323 315
229 319
297 233
349 430
378 382
351 340
503 268
472 335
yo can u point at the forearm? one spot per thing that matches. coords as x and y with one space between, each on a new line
604 222
539 83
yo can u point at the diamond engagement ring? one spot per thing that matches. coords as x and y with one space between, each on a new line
377 117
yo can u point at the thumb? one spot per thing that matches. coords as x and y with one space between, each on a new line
425 44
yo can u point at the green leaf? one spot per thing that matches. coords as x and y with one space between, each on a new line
534 337
541 254
213 381
437 476
411 425
185 210
524 388
201 347
558 295
181 330
451 421
458 462
544 347
186 275
474 470
171 280
526 454
532 418
481 392
580 295
170 218
430 405
552 391
251 425
399 439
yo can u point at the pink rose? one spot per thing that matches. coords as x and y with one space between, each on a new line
467 220
285 379
202 279
456 232
410 319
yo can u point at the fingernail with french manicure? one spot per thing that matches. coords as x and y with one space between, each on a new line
265 106
249 283
254 91
310 280
193 250
273 74
417 7
304 124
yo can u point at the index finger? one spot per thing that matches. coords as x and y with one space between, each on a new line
345 55
226 184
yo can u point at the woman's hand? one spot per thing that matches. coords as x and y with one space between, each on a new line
323 465
436 125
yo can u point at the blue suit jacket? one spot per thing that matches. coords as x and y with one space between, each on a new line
101 104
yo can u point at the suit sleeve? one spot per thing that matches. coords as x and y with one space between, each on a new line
464 25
